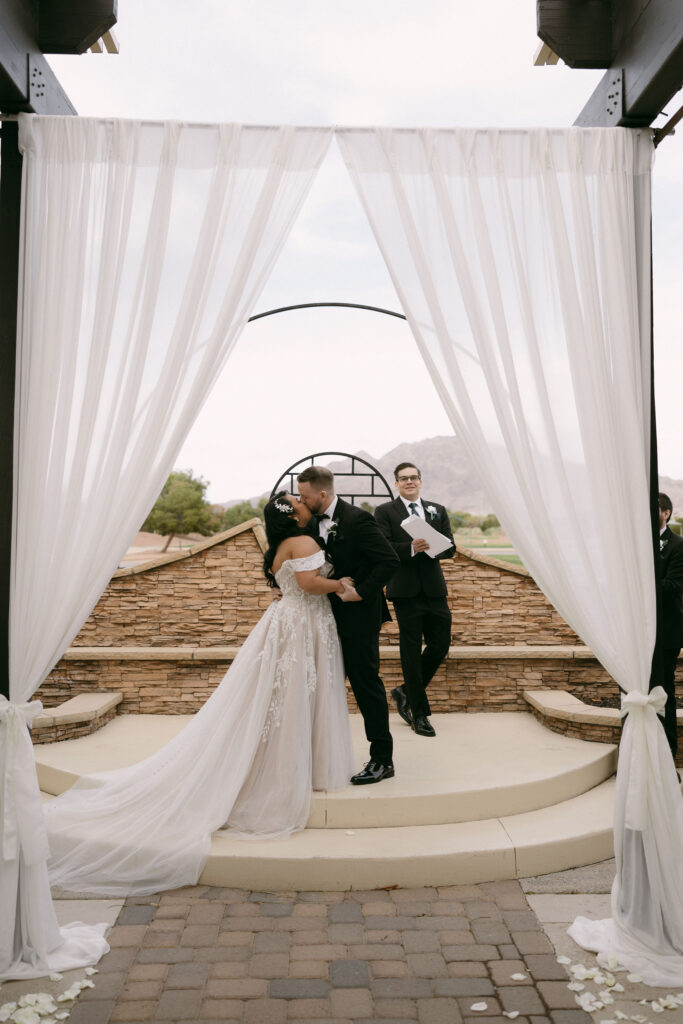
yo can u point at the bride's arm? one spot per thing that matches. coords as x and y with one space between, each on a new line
309 579
313 583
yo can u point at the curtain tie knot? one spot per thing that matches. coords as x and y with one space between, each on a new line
21 820
644 702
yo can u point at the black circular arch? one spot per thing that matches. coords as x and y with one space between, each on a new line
377 485
317 305
309 460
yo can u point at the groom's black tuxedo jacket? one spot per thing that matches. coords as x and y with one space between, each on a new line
671 585
416 573
357 549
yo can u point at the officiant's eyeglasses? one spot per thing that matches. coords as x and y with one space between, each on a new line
407 479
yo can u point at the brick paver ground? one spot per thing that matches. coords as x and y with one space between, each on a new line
433 956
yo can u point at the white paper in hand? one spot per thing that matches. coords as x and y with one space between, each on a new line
416 527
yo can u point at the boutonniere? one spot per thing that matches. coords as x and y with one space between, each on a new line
332 530
432 512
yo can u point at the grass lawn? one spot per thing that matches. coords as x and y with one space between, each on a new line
513 559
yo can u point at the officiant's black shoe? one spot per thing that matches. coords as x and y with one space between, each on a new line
373 772
402 704
423 727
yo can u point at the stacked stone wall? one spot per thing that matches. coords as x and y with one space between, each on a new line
213 596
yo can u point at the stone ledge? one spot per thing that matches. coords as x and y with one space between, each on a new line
196 653
564 713
567 708
78 716
86 707
157 561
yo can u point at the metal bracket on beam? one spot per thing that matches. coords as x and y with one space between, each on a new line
606 105
45 94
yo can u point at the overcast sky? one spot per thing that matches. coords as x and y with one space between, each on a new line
332 379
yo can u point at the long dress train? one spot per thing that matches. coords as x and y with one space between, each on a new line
275 728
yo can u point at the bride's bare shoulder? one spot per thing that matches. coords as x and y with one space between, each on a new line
302 546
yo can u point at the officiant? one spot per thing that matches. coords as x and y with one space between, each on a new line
419 595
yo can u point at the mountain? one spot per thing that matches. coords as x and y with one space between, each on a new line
447 474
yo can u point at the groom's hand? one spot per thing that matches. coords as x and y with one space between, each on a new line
349 593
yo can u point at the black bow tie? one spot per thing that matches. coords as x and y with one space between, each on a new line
320 516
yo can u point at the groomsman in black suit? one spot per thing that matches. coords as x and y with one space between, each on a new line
360 555
671 591
418 591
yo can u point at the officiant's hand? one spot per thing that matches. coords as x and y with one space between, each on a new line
420 544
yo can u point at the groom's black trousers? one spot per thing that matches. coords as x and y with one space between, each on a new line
360 651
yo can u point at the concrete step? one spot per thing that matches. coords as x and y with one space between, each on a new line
570 834
479 767
492 796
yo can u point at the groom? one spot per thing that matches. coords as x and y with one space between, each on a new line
357 549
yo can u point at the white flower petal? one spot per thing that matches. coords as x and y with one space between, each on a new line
91 970
25 1015
635 978
563 960
56 976
479 1006
511 1014
518 976
576 986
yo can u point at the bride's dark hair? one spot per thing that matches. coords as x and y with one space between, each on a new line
278 516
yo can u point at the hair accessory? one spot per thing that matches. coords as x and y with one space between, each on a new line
282 506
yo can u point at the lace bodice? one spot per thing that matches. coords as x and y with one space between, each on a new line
285 577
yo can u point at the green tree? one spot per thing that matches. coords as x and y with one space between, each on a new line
464 520
241 513
181 508
490 522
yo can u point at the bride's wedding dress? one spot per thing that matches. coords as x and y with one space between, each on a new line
275 728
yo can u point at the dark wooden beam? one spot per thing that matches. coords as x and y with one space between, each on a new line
650 61
578 31
10 195
72 26
27 82
640 42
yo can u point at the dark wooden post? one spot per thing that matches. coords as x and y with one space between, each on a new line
10 194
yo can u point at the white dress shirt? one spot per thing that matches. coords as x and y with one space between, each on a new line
324 524
419 511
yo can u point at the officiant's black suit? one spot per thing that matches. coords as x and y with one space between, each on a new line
356 548
419 594
671 588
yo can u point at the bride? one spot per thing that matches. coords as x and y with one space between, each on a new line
275 728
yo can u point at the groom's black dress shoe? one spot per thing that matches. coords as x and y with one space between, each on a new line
423 727
402 704
373 772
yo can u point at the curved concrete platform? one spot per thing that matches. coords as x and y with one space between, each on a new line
478 767
569 834
493 796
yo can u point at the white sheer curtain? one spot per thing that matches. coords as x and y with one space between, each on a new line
522 261
144 249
